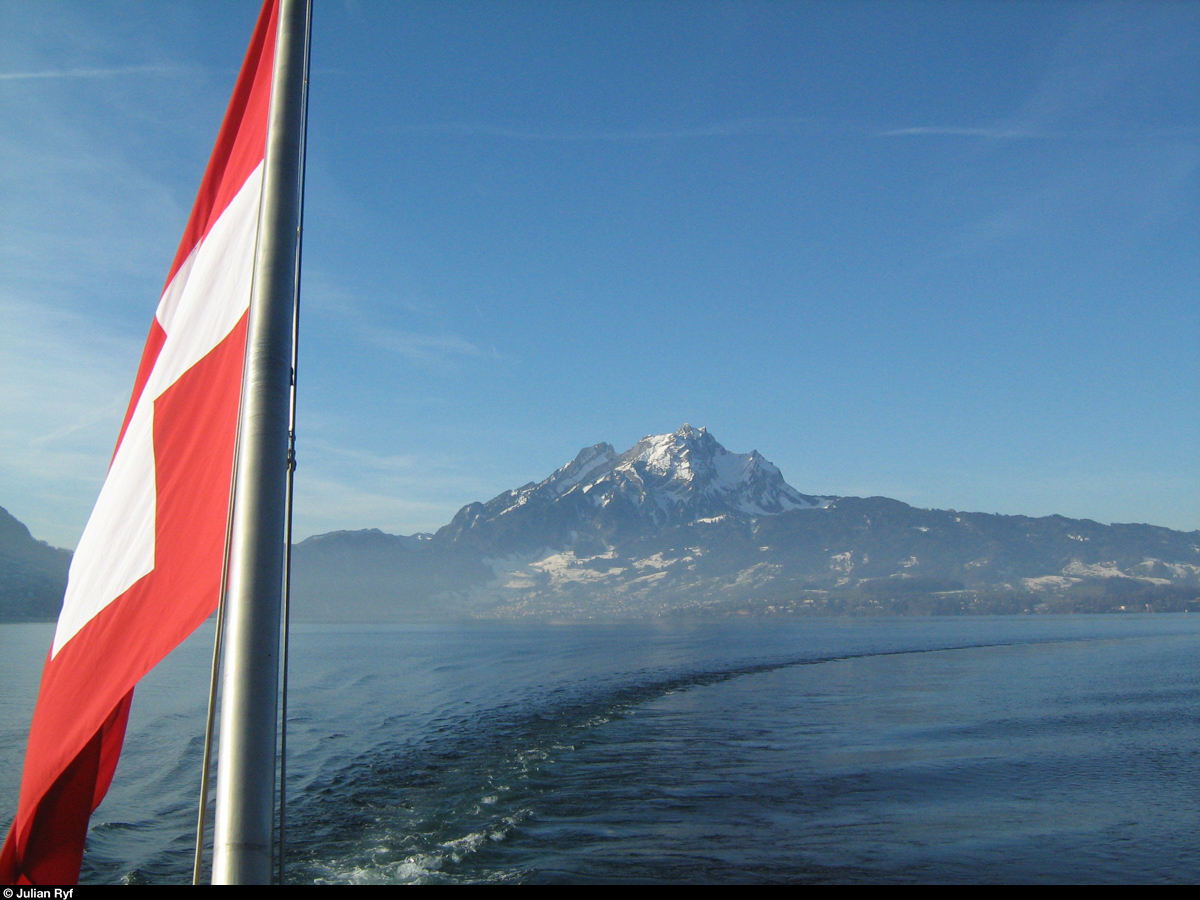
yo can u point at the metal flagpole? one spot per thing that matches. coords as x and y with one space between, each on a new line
281 837
242 852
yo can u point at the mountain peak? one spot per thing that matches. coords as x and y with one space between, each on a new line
680 457
664 479
667 452
693 475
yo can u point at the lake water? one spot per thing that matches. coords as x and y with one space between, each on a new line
1014 749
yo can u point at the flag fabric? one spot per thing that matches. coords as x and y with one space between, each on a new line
147 570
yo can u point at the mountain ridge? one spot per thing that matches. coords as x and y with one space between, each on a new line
33 575
662 480
678 525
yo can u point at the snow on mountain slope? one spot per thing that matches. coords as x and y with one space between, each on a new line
679 472
683 467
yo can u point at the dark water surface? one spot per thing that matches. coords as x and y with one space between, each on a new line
1026 749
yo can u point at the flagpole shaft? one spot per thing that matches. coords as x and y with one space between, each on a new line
242 852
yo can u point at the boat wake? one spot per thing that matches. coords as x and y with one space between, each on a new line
448 807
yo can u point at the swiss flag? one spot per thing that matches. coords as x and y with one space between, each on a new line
147 570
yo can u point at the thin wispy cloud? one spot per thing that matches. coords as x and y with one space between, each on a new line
339 486
93 73
750 126
432 347
783 126
327 502
992 133
436 349
359 459
1003 133
66 379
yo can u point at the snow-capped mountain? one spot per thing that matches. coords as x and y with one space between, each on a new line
663 479
677 524
680 477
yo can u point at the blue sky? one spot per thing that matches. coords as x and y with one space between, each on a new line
943 252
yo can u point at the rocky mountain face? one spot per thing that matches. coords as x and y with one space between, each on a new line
679 525
33 575
600 497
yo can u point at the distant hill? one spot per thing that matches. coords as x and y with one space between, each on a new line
349 576
678 525
33 575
